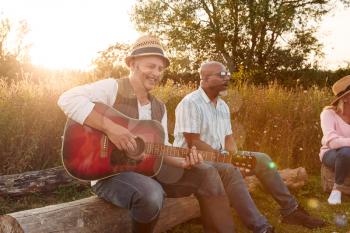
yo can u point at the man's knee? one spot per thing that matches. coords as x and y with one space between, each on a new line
211 184
146 206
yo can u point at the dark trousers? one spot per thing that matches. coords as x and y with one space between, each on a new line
339 161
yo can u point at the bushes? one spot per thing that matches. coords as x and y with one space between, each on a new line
281 122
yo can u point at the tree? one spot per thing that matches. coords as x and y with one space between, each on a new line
110 62
264 36
11 62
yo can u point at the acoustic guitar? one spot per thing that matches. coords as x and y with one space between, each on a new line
88 154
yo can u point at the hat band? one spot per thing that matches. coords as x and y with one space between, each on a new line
146 50
342 92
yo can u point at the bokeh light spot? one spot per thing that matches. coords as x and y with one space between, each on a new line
340 220
313 203
272 165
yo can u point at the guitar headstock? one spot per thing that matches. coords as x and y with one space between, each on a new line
244 160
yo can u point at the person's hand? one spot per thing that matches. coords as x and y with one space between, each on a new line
245 171
122 138
193 158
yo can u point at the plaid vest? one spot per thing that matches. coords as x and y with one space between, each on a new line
126 102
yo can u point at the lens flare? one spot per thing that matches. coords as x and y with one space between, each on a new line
272 165
313 203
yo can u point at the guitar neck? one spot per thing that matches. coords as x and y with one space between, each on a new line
161 149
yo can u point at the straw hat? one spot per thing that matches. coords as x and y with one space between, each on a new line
146 46
340 88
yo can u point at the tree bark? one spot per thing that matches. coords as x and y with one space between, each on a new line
93 215
34 181
327 180
293 178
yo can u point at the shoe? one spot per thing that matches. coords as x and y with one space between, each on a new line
301 217
335 197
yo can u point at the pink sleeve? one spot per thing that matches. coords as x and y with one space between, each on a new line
331 138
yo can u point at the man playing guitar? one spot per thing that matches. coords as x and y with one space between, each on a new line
142 195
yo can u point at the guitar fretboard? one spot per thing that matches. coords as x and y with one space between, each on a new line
161 149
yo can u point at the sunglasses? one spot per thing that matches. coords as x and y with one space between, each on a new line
222 74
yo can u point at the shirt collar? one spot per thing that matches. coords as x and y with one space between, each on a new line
204 95
206 98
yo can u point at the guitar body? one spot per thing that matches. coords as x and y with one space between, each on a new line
87 154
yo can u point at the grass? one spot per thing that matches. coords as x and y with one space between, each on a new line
281 122
311 198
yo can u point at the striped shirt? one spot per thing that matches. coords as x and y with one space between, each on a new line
197 114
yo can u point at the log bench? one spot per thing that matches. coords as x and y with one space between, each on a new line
327 180
41 181
93 215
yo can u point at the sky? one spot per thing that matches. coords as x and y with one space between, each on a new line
70 33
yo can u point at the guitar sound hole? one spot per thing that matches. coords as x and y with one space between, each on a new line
118 157
121 157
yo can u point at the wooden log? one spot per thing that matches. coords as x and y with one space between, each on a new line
92 215
35 181
294 178
95 215
49 179
327 180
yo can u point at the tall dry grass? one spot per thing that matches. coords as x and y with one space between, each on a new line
281 122
31 124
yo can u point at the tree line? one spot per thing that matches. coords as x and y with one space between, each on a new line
258 40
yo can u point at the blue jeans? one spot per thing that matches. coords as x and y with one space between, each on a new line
144 196
339 161
265 170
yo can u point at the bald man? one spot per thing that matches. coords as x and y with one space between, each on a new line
203 120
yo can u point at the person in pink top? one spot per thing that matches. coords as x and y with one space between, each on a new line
335 124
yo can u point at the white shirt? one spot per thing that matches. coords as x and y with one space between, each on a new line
77 103
197 114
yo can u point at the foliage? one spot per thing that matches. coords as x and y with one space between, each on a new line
260 36
31 123
110 62
12 63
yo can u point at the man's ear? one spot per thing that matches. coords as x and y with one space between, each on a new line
132 64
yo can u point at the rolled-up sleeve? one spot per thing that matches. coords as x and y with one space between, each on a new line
331 137
78 102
